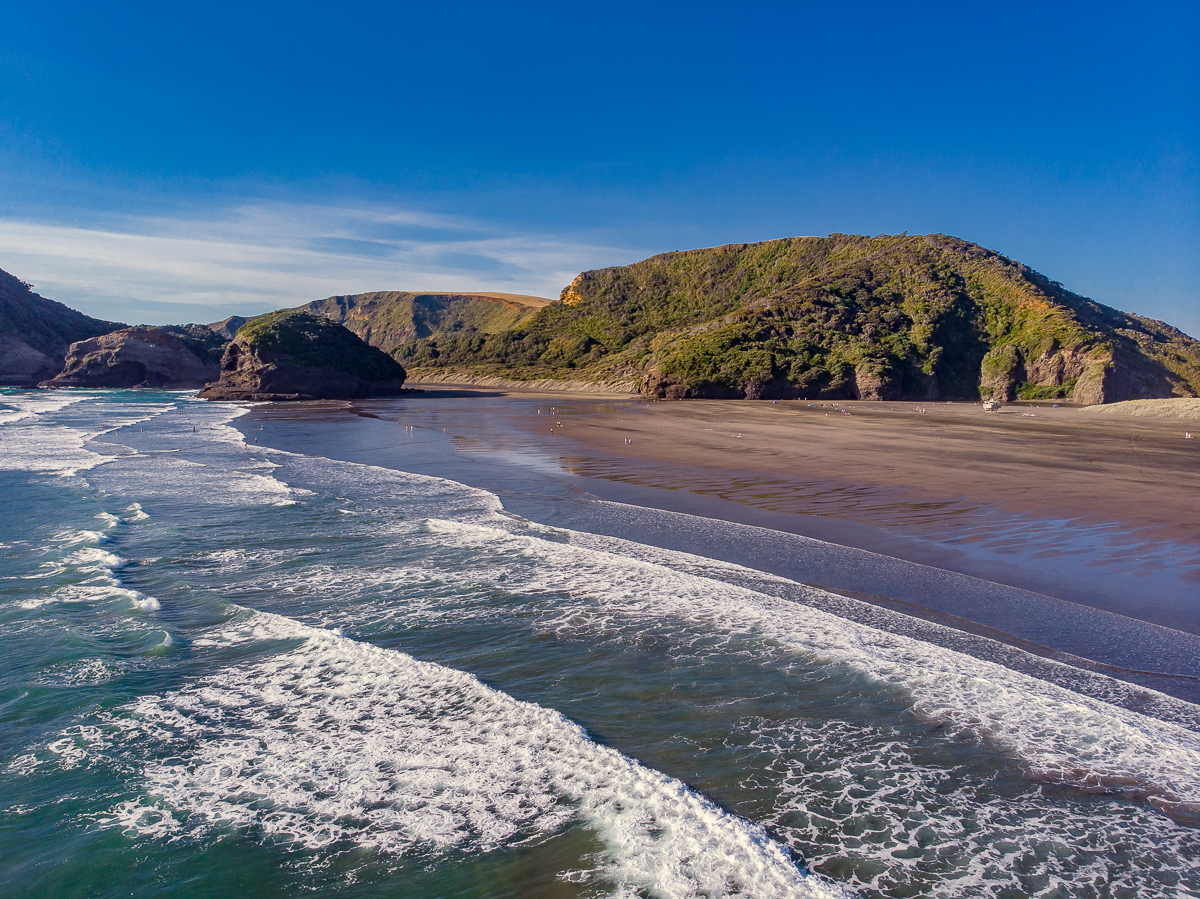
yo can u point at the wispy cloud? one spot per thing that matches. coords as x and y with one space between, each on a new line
252 257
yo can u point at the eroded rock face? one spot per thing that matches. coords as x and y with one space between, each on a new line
1085 376
228 328
298 356
872 383
668 388
1094 385
173 358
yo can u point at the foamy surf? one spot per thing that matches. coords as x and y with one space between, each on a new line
144 603
338 744
136 513
612 586
1060 735
49 433
307 742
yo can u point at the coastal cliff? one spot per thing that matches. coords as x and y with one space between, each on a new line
168 357
35 333
919 317
843 317
297 356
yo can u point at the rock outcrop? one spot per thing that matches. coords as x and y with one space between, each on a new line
177 358
35 333
228 328
298 356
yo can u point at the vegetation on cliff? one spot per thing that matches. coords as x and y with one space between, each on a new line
317 342
838 317
296 355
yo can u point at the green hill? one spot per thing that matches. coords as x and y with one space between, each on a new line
388 319
921 317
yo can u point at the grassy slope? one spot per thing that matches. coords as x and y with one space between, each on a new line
919 316
387 319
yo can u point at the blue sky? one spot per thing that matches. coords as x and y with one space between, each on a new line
182 162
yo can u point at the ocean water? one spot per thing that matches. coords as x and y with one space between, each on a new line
237 670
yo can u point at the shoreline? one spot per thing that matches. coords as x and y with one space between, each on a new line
613 389
1093 511
1055 463
493 441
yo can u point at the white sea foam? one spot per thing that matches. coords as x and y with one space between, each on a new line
145 603
337 744
23 764
30 403
93 572
904 828
1058 734
34 440
601 583
383 491
81 745
93 558
72 674
205 471
175 478
59 449
90 537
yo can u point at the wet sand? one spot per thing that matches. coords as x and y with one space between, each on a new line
1101 510
1052 463
996 559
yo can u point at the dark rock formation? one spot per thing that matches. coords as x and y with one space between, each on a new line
35 333
146 356
297 356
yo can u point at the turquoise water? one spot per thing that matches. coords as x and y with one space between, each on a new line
233 670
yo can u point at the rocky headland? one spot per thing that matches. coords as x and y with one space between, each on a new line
920 317
294 355
35 333
176 358
842 317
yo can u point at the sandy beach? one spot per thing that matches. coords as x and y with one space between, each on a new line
904 463
1090 507
1097 510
